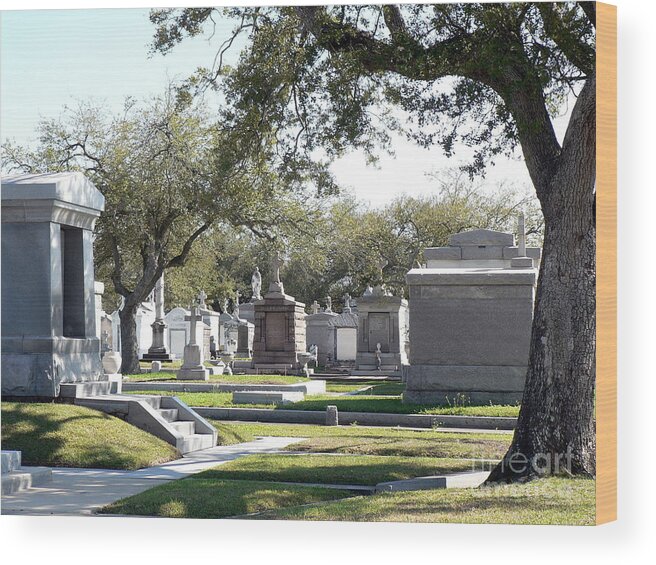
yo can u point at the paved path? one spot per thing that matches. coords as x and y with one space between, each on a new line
82 491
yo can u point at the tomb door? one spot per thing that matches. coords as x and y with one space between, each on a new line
379 331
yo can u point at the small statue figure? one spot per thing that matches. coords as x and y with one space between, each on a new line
379 360
347 302
368 291
212 347
225 305
256 285
276 264
329 304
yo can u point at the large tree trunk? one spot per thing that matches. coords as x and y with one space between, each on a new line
129 344
556 431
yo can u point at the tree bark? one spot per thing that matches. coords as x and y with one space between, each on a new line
129 344
556 430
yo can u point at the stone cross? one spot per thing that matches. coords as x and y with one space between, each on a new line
201 299
521 233
315 307
192 319
329 304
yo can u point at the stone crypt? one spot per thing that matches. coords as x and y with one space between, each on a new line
279 326
382 332
471 311
48 301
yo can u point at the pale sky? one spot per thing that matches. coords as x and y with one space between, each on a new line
50 58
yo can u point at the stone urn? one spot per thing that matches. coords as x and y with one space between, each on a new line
303 360
227 359
111 362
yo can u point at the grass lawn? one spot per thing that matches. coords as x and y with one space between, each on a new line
359 403
357 440
197 497
64 435
239 379
543 501
333 469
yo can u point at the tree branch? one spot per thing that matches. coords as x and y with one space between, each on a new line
180 259
577 51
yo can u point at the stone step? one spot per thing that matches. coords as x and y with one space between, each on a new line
169 414
25 478
185 428
154 401
80 390
196 442
165 417
266 397
11 460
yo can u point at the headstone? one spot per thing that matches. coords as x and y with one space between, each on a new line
158 350
193 358
179 331
48 304
279 325
470 320
155 366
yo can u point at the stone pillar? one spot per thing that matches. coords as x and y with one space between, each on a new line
158 350
48 299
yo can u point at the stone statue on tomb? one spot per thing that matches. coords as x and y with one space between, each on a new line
256 284
276 264
225 305
235 309
379 360
329 304
368 291
347 302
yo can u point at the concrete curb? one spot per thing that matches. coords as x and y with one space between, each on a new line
362 418
309 387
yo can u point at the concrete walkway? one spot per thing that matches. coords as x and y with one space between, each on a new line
83 491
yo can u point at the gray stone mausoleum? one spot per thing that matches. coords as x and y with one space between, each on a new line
48 302
471 311
279 327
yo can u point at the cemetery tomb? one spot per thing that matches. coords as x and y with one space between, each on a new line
48 289
471 312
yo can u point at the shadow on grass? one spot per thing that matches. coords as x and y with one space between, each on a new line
64 435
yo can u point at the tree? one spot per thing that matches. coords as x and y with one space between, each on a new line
169 178
486 75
